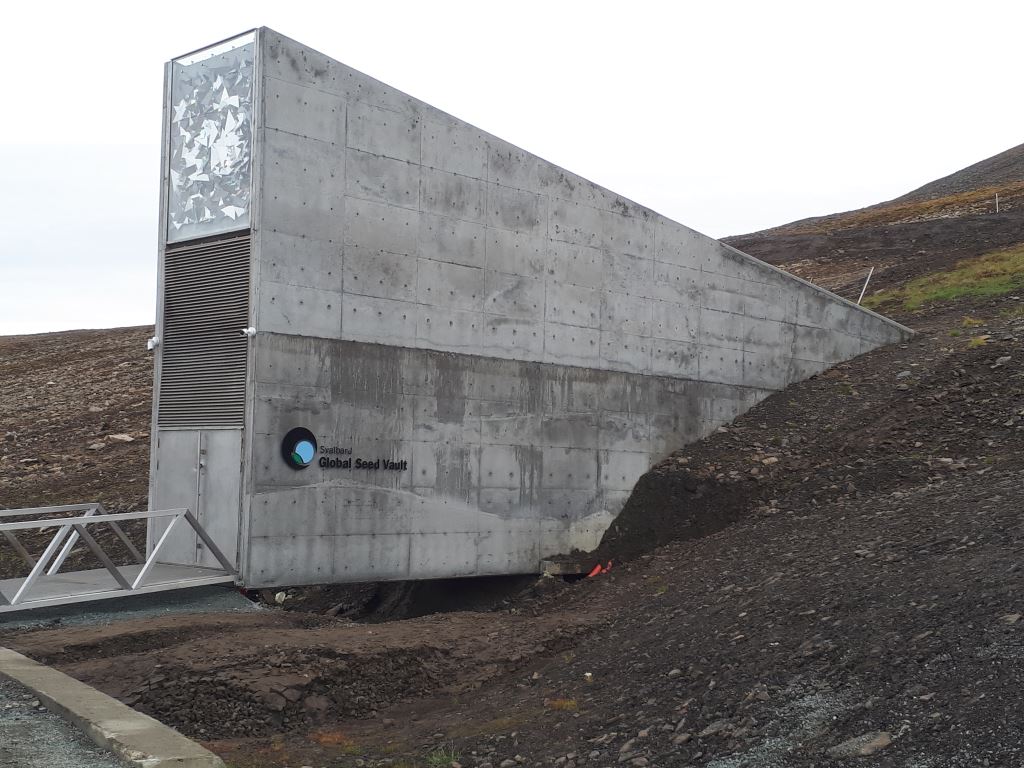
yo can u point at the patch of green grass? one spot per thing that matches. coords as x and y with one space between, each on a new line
660 587
443 756
978 341
993 274
954 332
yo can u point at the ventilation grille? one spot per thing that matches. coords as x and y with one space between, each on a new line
206 306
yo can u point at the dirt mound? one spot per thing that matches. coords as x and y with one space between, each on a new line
671 503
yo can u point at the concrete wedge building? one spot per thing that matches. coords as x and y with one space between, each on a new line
393 346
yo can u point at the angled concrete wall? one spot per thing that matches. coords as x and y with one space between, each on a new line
528 342
376 205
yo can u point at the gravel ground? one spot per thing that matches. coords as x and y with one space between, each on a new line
32 737
214 599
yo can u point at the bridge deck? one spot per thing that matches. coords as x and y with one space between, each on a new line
98 584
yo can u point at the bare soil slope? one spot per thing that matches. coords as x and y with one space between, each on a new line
1006 168
74 418
923 231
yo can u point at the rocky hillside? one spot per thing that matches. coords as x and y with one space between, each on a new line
1002 171
926 230
74 418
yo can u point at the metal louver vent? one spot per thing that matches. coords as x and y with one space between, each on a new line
203 349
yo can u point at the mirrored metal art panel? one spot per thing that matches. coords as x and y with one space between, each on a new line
211 140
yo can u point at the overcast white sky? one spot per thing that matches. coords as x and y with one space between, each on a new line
727 116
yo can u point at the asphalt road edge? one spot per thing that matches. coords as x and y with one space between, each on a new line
135 738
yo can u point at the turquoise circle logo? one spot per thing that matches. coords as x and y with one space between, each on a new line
298 448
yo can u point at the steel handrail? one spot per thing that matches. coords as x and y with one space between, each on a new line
47 510
57 522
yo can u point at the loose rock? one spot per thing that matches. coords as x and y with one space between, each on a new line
863 745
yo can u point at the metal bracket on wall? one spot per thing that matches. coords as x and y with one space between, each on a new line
50 586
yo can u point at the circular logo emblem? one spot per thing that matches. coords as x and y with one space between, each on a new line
298 448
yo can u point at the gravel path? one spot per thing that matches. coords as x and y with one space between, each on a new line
32 737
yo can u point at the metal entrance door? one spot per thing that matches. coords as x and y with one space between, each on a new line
198 469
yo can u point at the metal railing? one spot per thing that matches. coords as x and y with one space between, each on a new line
74 528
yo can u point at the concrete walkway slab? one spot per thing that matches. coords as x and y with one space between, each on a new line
135 738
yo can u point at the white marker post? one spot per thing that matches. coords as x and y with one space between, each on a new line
868 280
